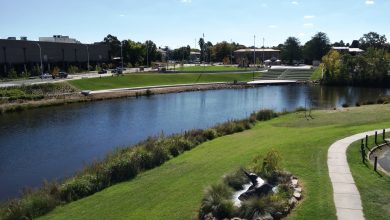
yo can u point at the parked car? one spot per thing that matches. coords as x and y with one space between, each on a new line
45 76
63 75
118 71
103 71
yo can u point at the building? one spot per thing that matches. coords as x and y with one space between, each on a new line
59 39
23 55
245 56
352 51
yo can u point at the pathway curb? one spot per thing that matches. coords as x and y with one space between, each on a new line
345 193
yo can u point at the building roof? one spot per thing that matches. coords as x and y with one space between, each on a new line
351 50
257 50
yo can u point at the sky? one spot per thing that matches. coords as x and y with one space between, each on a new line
176 23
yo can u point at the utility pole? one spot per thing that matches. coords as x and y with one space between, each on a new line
88 57
40 57
231 52
254 57
122 54
147 54
263 51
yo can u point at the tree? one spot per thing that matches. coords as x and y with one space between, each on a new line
291 50
151 53
133 52
114 46
221 51
317 47
372 39
202 48
332 67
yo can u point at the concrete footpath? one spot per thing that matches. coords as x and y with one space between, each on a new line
345 193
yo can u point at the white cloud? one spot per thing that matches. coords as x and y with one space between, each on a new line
294 3
309 16
301 34
370 2
186 1
272 26
121 15
308 25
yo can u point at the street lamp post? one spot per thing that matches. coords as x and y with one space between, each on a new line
87 57
40 57
231 52
254 56
122 54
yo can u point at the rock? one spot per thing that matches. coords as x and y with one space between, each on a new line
294 182
297 195
209 217
292 201
265 216
279 215
286 210
298 189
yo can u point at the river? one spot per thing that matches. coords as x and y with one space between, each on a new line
54 142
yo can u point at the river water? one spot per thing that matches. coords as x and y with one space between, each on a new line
54 142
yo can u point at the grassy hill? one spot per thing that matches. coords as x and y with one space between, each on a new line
154 79
174 190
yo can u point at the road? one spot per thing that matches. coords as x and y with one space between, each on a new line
91 74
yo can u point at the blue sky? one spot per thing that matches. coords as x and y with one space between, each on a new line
179 22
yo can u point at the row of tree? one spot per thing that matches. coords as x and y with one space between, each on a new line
319 45
370 68
133 53
137 53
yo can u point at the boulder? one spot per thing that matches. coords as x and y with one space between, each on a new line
292 201
265 216
297 195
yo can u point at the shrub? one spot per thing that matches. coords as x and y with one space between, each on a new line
265 115
271 163
33 203
236 180
217 200
345 105
73 69
78 187
210 133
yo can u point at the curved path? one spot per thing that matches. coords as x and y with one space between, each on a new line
345 194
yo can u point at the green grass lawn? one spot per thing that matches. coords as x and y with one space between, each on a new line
138 80
174 190
210 68
374 187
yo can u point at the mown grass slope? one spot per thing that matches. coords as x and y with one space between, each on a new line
174 190
154 79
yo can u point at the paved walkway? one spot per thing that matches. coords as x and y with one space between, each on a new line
345 193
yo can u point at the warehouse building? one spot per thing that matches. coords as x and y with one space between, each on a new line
58 51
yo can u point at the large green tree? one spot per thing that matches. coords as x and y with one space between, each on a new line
222 51
133 52
151 53
291 50
372 39
317 47
114 46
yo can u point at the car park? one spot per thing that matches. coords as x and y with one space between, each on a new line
103 71
45 76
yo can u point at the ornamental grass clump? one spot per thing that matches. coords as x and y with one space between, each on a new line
218 203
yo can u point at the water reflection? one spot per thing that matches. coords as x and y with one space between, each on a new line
54 142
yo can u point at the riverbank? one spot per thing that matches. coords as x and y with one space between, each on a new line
178 184
75 97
